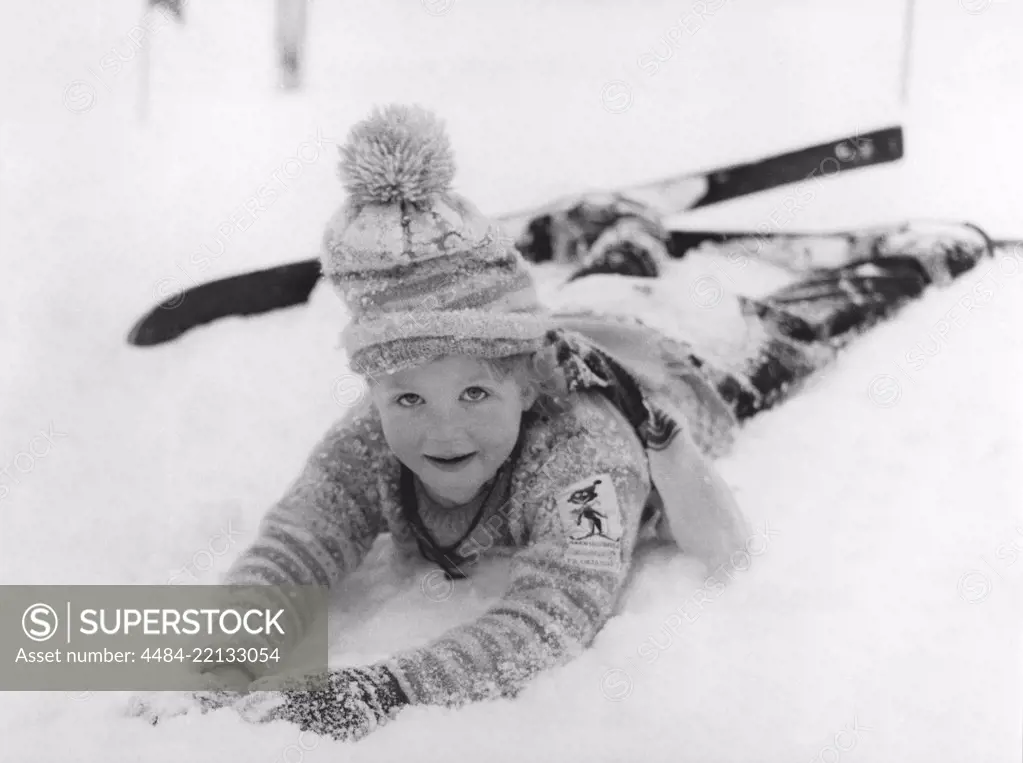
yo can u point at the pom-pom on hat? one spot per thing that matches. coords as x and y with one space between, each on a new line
422 272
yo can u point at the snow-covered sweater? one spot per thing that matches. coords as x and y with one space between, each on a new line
569 505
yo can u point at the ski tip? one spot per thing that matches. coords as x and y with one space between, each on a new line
896 142
138 337
252 293
154 327
143 334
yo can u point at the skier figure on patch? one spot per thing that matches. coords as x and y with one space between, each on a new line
484 405
586 496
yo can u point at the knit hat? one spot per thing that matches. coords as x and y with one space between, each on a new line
422 272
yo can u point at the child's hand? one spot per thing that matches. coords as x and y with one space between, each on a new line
345 704
223 687
156 706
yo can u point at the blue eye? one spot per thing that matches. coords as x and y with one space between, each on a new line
400 398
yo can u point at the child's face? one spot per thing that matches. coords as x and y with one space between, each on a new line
451 406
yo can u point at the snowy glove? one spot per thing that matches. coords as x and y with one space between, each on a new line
591 227
346 704
156 706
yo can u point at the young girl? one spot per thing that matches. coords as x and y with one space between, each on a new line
493 421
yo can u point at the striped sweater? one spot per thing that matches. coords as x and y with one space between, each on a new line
563 585
569 505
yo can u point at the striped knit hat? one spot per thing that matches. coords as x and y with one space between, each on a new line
422 272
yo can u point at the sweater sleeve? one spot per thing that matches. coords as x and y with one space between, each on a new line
321 529
582 512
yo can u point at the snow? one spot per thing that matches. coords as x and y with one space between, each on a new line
879 618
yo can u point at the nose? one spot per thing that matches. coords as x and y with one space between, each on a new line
445 430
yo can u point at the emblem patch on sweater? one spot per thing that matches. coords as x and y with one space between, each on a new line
592 520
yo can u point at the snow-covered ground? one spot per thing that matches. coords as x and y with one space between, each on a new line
882 620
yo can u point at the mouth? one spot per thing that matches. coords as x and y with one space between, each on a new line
450 463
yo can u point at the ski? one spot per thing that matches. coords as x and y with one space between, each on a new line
802 251
287 285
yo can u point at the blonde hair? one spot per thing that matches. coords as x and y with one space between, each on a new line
537 372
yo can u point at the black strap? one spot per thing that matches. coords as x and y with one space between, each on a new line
447 557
